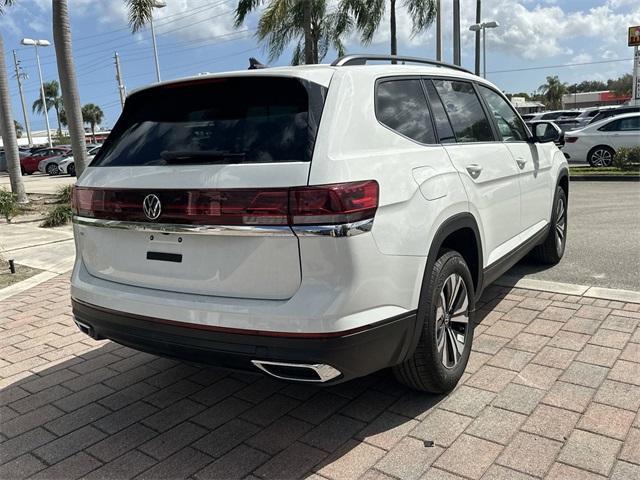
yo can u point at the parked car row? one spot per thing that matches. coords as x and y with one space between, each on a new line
53 160
64 164
569 120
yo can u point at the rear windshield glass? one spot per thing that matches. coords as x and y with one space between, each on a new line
222 121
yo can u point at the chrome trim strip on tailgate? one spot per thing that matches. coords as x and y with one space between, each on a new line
343 230
231 230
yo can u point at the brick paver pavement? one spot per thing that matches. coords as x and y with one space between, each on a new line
552 390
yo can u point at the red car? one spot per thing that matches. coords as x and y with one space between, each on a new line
30 164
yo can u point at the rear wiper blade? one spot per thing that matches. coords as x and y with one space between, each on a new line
200 156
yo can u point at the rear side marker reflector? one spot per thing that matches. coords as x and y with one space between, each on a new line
333 204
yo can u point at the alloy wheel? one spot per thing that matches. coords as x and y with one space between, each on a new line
602 158
560 225
452 320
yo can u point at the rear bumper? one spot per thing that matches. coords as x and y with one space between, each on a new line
354 353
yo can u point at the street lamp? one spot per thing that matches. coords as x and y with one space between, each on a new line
483 27
156 4
36 44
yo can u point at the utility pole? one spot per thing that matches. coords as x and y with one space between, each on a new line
122 90
456 32
478 20
438 31
20 75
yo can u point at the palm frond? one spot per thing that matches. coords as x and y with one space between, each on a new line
4 4
422 13
244 8
140 12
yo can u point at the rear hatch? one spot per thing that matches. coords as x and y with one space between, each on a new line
190 191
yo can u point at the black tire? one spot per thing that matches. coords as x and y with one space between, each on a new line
71 169
425 370
552 249
600 156
52 169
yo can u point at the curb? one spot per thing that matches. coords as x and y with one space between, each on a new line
614 294
604 178
26 284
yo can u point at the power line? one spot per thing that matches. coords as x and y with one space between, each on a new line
564 65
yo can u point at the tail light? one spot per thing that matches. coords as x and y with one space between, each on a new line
317 205
570 139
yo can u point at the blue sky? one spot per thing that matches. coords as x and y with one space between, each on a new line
198 35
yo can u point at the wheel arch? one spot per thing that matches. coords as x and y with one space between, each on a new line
461 233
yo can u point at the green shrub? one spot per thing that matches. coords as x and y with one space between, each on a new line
627 159
8 204
64 194
60 215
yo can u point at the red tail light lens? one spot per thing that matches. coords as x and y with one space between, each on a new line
333 204
570 139
321 205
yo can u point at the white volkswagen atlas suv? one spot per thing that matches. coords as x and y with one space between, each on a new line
317 223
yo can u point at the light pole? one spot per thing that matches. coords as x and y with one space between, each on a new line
483 27
36 44
156 4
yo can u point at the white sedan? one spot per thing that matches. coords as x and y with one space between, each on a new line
598 142
68 166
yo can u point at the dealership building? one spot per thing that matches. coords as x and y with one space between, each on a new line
593 99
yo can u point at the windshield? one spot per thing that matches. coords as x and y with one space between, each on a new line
223 120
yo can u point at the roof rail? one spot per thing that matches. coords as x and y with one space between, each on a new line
363 58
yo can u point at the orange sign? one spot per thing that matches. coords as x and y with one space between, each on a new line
634 36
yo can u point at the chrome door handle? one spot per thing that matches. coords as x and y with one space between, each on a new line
474 170
521 162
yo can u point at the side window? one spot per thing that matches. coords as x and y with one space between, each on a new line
443 127
610 127
511 127
629 124
465 111
402 106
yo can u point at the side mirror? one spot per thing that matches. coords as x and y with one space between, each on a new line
545 132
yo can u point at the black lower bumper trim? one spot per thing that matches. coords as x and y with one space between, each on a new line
353 354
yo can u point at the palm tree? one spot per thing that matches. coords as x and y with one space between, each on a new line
67 75
552 92
7 127
368 15
306 23
92 114
52 99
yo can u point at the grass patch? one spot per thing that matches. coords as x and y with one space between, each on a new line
22 273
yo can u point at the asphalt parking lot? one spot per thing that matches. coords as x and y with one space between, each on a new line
603 243
39 182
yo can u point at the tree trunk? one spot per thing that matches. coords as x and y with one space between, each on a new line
58 118
308 41
93 132
8 132
394 40
67 74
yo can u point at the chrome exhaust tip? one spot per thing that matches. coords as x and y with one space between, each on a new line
298 372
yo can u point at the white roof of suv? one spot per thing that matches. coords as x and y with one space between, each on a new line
322 73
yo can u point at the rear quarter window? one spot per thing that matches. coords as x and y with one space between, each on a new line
402 106
225 120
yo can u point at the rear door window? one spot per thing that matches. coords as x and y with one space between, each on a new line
402 106
223 120
465 111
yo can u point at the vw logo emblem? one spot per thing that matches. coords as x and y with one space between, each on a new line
151 206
